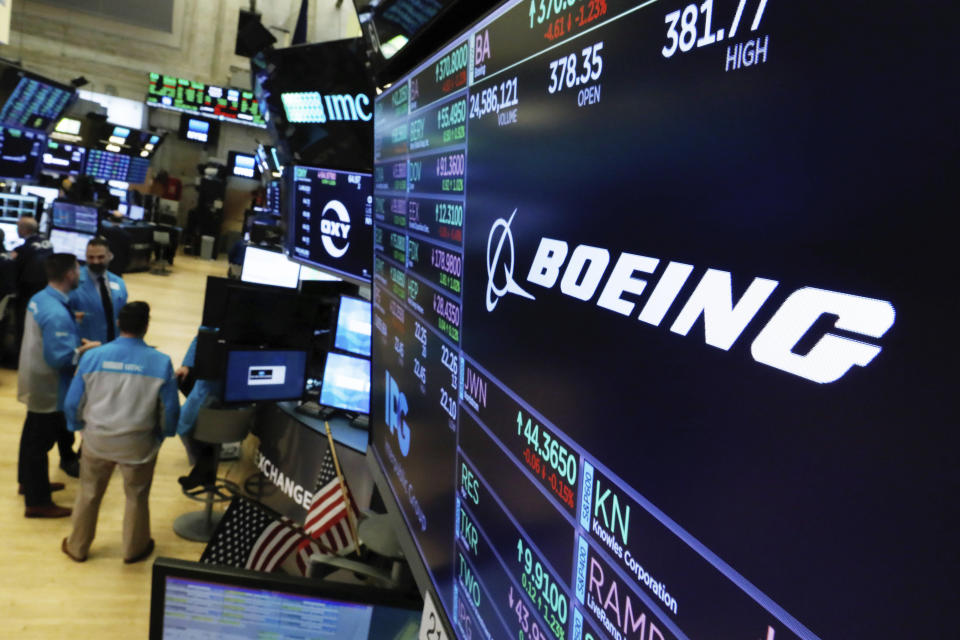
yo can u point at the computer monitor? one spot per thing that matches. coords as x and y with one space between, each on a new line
243 165
193 129
346 383
75 217
47 194
353 326
75 242
264 375
63 158
262 266
330 223
11 238
20 153
135 212
193 600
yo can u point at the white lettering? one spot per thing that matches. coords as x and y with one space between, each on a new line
832 356
723 322
581 284
546 264
622 281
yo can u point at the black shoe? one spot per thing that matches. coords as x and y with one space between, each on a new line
71 466
47 511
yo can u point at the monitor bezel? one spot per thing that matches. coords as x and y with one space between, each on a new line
233 402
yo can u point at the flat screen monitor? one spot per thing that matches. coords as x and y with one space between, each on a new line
264 375
353 326
195 129
14 206
47 194
331 220
107 165
666 299
11 237
262 266
135 212
20 153
75 217
243 165
346 383
194 600
258 315
75 242
62 158
30 100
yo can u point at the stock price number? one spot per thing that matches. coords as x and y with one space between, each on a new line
449 316
450 166
450 213
527 625
543 590
572 70
494 99
554 454
682 26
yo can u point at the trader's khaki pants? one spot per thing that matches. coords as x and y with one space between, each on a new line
94 476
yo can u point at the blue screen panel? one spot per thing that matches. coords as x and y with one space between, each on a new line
353 326
346 383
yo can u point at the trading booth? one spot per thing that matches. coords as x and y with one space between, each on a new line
610 319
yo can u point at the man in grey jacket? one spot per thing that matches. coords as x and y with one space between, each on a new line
124 399
48 354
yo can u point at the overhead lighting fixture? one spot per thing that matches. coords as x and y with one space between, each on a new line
113 147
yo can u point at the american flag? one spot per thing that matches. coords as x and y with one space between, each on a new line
251 537
328 517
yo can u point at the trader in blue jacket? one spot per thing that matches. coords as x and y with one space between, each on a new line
100 296
124 398
49 352
205 393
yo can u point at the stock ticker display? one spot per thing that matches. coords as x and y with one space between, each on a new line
659 304
209 100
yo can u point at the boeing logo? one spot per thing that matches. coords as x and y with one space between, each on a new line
581 271
495 291
335 230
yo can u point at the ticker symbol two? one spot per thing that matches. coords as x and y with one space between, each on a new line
495 292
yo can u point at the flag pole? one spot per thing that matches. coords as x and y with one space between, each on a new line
343 488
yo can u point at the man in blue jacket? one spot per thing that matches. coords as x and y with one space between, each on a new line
205 393
124 398
100 296
48 354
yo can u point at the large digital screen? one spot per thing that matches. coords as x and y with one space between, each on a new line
211 101
663 290
331 223
63 158
20 153
29 100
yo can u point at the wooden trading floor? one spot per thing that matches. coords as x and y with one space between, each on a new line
44 594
